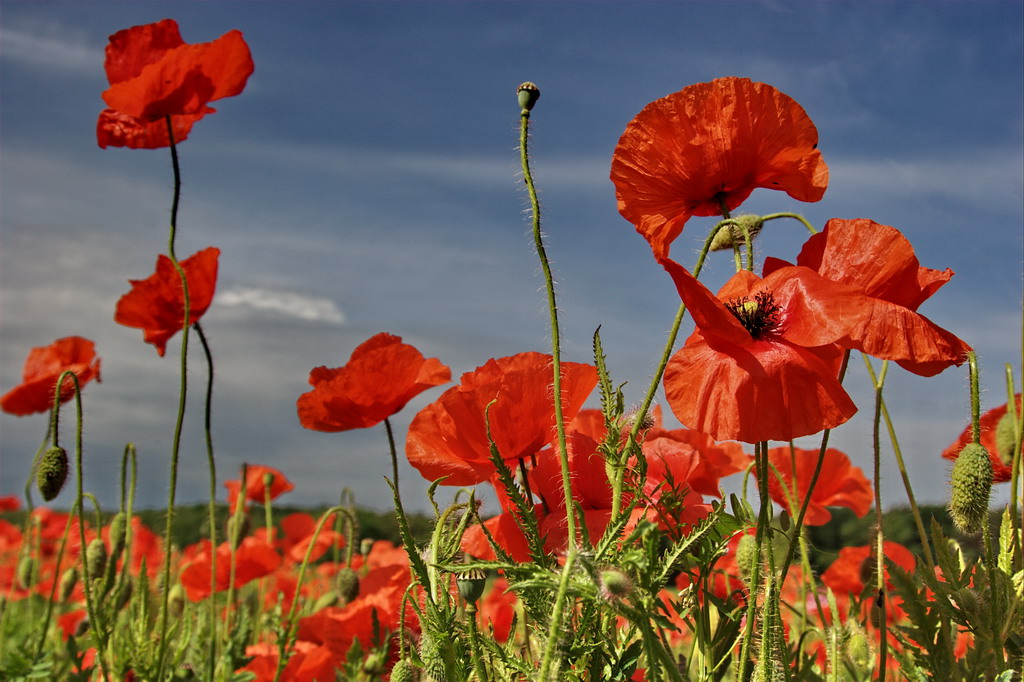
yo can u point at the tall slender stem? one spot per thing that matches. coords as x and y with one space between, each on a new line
212 506
556 353
176 444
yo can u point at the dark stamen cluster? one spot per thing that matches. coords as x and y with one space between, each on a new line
760 316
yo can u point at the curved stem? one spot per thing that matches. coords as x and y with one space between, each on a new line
212 506
556 353
795 216
176 444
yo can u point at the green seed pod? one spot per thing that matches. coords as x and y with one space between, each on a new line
67 584
471 583
1005 439
118 534
528 94
971 483
403 672
330 598
614 584
347 582
730 234
746 553
96 557
433 659
52 472
26 572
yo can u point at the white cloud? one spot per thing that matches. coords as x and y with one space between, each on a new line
50 49
284 303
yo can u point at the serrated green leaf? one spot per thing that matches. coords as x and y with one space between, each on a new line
1005 561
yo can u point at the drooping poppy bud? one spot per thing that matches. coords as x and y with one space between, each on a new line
971 483
347 582
52 472
746 552
1006 439
118 534
26 572
67 584
730 235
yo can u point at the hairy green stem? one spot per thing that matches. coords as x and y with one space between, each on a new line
556 351
881 602
554 629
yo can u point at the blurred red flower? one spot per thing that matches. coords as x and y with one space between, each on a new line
762 364
154 74
43 367
381 376
156 304
711 144
879 262
840 484
449 436
253 559
854 568
255 488
1001 453
307 662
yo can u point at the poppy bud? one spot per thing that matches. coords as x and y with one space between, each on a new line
67 584
433 659
1005 439
528 93
176 600
52 472
347 582
365 545
858 648
731 234
123 594
971 483
471 584
96 557
614 584
374 664
402 672
746 554
118 534
26 571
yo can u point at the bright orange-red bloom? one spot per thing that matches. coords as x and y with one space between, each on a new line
878 261
847 576
154 74
308 663
1002 457
449 436
156 304
382 375
43 367
255 488
840 484
762 364
709 145
253 559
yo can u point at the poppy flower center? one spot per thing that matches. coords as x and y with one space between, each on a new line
760 316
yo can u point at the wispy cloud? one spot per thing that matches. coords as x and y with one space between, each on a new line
288 304
48 46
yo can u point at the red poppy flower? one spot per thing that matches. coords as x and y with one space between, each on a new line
449 436
255 487
708 144
9 503
762 364
711 460
253 559
156 304
1000 450
43 367
154 74
847 575
308 662
382 375
878 261
840 484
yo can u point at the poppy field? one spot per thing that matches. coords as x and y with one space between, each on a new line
616 555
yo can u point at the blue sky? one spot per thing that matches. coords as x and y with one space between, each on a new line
367 180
